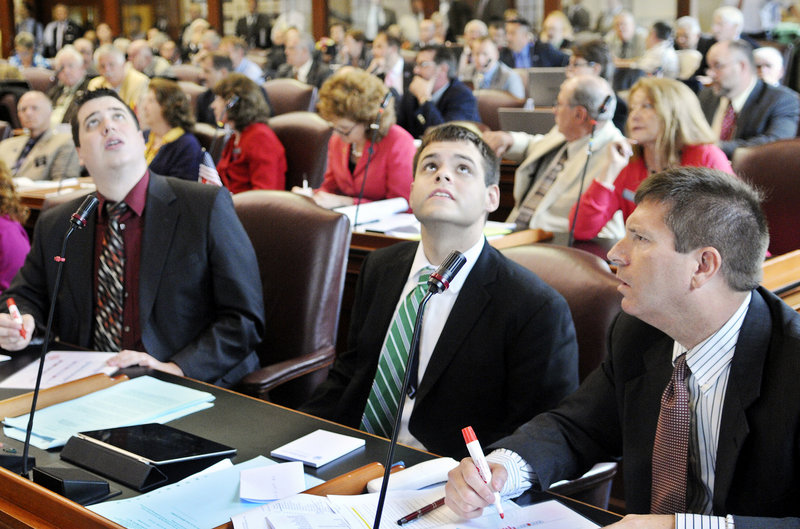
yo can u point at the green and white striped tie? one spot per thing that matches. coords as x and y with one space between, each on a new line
384 397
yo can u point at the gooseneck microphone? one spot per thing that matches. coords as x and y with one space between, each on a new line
601 111
77 221
374 127
438 282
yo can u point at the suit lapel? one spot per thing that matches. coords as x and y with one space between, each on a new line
77 288
160 221
745 117
469 305
743 389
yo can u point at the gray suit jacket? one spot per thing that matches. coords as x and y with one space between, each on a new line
770 113
52 158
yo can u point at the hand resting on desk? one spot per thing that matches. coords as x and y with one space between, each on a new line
10 337
466 493
127 358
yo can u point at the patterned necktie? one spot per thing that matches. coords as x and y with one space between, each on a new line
671 448
534 198
384 397
110 284
728 124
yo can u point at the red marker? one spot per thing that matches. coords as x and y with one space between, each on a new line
476 453
13 311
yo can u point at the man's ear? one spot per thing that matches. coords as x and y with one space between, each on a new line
709 263
492 198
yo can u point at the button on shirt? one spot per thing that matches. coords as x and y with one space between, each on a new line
433 320
132 226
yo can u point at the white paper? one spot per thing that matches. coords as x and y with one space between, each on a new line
318 448
372 211
60 367
285 520
274 482
546 515
300 504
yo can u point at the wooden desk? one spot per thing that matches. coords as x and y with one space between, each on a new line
782 276
34 199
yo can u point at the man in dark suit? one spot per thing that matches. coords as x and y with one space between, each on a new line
254 28
301 63
526 51
689 270
186 298
496 347
60 32
435 96
742 109
72 81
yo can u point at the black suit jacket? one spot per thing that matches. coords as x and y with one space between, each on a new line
256 35
541 54
770 113
507 351
200 300
457 103
72 32
317 75
615 411
58 89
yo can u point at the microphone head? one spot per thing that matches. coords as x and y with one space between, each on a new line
86 208
441 278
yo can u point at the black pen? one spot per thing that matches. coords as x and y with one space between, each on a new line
419 512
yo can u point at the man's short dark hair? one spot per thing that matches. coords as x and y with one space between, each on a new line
221 61
391 40
596 51
95 94
708 207
456 132
443 55
662 30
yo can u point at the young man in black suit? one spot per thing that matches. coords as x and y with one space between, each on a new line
190 299
697 334
497 347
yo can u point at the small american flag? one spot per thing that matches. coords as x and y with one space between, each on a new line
208 171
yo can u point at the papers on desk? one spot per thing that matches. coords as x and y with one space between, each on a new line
374 211
318 448
406 226
273 482
202 501
60 367
138 401
26 184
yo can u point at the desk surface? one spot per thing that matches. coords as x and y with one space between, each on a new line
253 426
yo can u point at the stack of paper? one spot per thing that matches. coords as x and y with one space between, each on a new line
318 448
372 211
138 401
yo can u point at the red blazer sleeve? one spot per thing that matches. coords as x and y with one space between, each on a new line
266 158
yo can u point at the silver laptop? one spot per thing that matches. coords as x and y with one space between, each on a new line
543 85
534 121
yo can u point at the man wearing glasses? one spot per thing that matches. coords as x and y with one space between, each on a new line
435 95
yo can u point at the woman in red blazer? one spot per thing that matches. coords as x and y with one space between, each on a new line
351 100
254 157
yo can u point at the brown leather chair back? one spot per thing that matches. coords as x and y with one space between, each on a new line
772 168
290 95
302 254
490 100
212 139
41 79
8 102
589 287
187 72
304 136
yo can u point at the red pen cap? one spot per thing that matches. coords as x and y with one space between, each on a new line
10 302
469 434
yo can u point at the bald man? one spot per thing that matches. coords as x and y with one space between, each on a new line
42 153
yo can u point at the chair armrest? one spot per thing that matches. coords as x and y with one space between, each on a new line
259 383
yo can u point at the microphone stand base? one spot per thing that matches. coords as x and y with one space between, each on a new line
14 463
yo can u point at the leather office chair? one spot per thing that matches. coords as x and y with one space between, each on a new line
8 110
304 136
6 130
212 139
290 95
490 100
187 72
589 287
41 79
302 254
771 168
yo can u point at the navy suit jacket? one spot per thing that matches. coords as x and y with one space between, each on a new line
541 54
770 113
506 352
200 300
257 35
615 411
180 158
456 104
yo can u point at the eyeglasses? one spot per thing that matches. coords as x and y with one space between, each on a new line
343 133
580 64
424 64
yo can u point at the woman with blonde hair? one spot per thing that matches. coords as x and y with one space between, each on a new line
254 157
14 243
166 116
666 129
351 100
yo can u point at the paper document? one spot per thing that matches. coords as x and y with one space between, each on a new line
406 226
198 502
318 448
138 401
273 482
60 367
372 211
298 506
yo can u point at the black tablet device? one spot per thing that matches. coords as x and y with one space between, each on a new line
156 444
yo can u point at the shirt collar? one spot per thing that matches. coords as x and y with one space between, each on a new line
708 359
437 95
135 199
738 102
420 262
